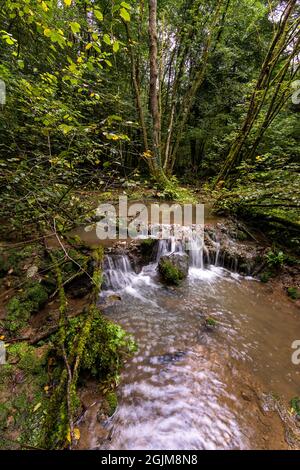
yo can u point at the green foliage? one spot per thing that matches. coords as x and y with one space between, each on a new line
170 273
295 405
173 192
112 401
210 322
293 293
54 135
275 259
20 308
268 195
22 381
107 344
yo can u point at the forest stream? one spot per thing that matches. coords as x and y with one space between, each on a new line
213 355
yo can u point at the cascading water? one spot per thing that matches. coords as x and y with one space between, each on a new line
184 387
119 273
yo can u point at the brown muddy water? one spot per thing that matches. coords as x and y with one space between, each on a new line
88 234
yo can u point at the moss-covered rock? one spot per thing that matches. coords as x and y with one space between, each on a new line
174 268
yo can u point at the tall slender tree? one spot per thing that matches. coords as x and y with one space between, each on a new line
283 48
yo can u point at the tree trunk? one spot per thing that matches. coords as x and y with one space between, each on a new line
278 45
213 34
154 95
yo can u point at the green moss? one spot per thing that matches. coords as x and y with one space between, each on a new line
18 314
20 308
293 293
266 276
27 357
107 345
38 295
112 401
210 322
15 258
24 407
147 247
170 273
295 404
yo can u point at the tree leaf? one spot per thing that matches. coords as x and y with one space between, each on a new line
45 6
75 27
107 39
125 15
116 46
125 5
37 406
98 15
76 433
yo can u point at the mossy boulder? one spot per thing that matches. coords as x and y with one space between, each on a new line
174 268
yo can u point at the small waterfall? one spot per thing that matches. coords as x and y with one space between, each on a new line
168 246
192 244
196 250
118 272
